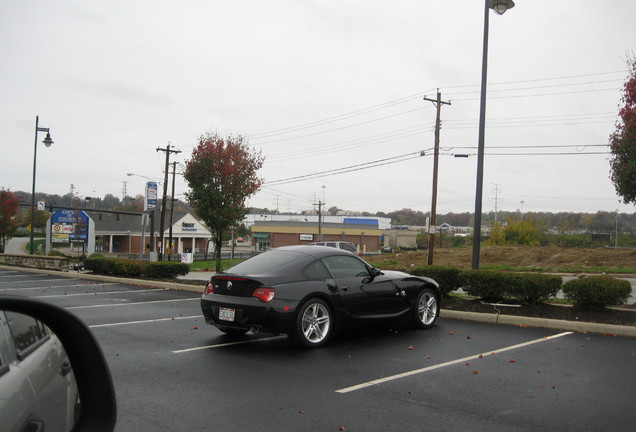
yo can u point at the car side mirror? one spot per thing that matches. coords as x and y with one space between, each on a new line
98 407
373 273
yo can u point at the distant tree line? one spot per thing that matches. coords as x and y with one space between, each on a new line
71 200
562 222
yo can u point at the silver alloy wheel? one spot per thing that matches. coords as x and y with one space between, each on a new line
316 322
427 308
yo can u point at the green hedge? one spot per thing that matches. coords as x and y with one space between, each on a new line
132 268
532 288
489 285
446 277
536 288
597 291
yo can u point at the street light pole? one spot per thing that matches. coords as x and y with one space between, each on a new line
47 142
616 235
500 7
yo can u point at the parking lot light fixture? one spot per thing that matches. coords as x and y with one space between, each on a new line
47 142
500 7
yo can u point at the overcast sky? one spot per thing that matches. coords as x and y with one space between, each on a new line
320 86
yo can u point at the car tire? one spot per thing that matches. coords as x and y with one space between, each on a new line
313 325
425 309
233 331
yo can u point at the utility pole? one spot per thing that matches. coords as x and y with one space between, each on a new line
165 193
432 227
172 200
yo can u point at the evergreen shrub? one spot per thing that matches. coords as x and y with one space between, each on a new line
597 291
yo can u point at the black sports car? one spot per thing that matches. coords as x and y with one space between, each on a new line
306 291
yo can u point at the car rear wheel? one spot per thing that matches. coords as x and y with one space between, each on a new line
313 325
426 309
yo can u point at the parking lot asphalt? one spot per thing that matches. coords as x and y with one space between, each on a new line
493 318
172 372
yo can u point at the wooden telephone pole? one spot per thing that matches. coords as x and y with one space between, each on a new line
432 226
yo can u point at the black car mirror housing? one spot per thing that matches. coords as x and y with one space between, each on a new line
98 412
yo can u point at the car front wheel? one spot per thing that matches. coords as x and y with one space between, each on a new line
313 325
426 309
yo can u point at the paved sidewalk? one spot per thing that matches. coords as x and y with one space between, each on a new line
15 246
204 276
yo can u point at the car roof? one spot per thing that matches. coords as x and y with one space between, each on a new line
316 251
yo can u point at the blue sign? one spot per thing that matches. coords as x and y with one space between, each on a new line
151 196
75 220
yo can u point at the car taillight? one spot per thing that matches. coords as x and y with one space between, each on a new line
209 288
264 294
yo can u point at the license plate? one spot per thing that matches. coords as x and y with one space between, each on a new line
226 314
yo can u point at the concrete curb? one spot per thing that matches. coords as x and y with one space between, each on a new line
492 318
113 279
575 326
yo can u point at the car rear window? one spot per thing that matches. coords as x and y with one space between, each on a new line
267 262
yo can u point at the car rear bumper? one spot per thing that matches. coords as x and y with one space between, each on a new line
249 313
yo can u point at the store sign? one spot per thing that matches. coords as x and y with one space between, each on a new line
59 238
187 226
306 237
71 223
150 200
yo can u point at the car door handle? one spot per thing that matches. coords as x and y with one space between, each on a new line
345 288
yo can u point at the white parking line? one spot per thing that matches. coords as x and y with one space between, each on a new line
99 293
145 321
131 304
31 280
227 344
449 363
82 285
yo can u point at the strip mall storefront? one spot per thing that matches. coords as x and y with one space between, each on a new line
272 234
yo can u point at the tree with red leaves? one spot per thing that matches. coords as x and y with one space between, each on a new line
623 141
8 210
222 174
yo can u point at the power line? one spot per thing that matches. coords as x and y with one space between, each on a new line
541 87
355 143
350 168
543 94
342 127
415 96
339 117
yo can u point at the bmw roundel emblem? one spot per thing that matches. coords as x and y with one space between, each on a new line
229 285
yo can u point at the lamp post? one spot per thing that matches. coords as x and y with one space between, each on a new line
616 235
47 142
500 7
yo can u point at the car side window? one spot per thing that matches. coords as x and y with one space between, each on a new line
27 332
316 271
342 266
